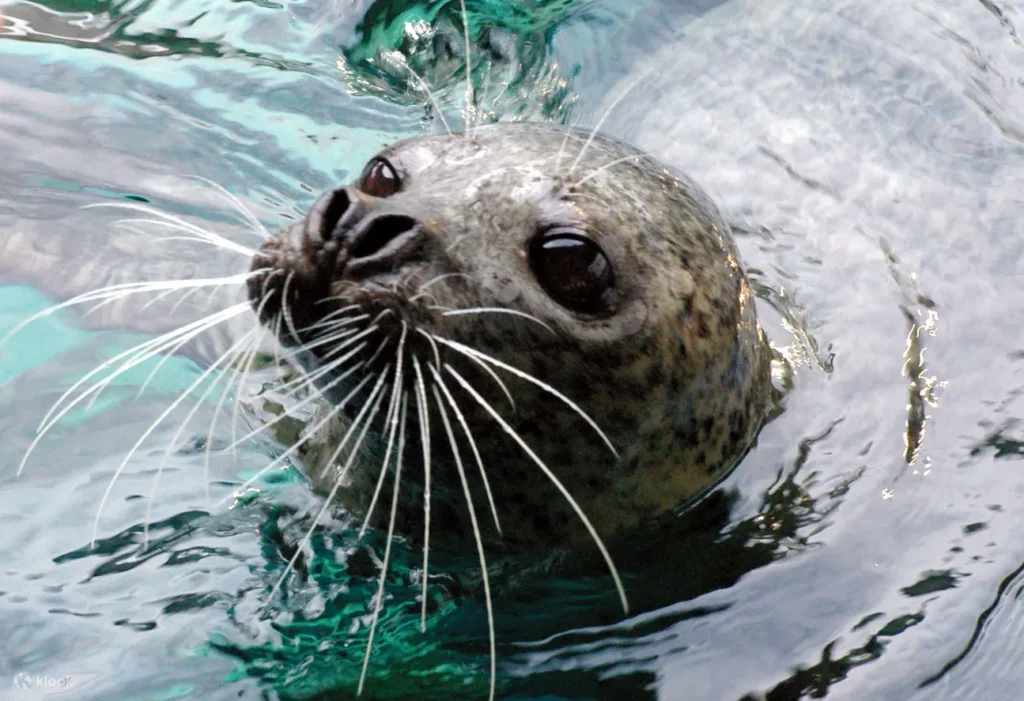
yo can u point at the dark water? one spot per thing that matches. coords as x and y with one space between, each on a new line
871 158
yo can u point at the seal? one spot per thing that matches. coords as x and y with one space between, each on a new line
562 320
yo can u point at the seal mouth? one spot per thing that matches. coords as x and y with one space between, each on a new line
341 291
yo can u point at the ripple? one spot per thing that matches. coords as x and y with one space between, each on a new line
869 157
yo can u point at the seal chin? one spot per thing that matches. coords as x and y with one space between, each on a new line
347 308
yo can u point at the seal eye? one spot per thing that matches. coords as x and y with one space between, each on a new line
572 269
380 179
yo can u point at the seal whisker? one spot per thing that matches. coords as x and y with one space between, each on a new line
210 298
466 350
390 421
379 350
470 107
171 219
392 418
181 300
53 416
233 382
270 273
374 399
334 331
167 352
381 315
166 239
494 310
476 533
332 338
288 312
163 295
421 295
379 600
472 444
430 96
606 166
335 412
243 380
308 380
153 426
312 398
247 364
110 299
336 298
129 225
329 319
554 480
324 336
116 296
170 446
561 149
246 213
206 236
433 346
423 411
349 341
278 320
434 280
607 113
139 354
501 383
335 325
125 288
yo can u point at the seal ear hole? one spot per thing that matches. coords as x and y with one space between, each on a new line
572 269
380 179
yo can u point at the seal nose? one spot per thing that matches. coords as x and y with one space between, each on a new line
378 235
372 242
335 211
380 243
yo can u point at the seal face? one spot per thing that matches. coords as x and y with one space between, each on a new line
538 314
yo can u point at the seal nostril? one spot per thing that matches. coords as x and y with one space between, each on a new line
379 232
336 207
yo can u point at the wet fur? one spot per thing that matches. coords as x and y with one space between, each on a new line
677 377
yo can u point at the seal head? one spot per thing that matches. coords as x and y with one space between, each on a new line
561 312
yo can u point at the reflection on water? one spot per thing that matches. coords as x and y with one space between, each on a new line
871 159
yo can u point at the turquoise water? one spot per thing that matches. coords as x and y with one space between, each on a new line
871 160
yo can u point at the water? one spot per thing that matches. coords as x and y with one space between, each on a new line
871 159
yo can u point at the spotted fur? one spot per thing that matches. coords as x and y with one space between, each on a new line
677 376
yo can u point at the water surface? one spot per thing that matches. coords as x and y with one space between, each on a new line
871 160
